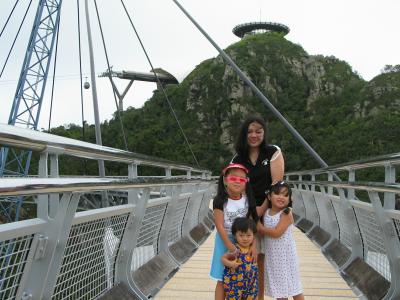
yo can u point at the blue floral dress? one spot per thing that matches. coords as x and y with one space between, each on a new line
242 282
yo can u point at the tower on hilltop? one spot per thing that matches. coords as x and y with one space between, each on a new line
244 29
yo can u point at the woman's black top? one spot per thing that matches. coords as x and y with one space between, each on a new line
260 173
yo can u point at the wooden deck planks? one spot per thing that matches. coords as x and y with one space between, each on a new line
319 278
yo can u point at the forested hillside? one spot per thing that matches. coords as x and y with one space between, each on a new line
341 115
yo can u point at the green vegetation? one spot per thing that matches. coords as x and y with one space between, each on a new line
342 116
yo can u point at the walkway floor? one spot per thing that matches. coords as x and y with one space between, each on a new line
319 278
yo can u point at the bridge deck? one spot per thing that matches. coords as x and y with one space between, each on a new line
319 278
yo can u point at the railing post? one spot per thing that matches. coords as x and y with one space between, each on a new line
390 177
313 180
42 201
352 178
133 171
330 178
54 199
129 239
168 173
189 174
392 245
40 277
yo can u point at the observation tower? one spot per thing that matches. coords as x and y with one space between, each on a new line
251 28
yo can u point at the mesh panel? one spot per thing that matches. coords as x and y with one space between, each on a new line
147 241
397 224
193 209
176 224
311 208
13 257
325 212
344 226
298 205
87 269
374 247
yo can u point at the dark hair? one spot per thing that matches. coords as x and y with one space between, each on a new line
222 197
242 147
243 224
276 188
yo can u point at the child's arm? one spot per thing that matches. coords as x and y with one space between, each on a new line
219 224
285 221
228 260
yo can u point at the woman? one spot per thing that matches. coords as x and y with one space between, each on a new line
266 165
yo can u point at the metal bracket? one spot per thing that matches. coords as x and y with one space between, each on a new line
41 247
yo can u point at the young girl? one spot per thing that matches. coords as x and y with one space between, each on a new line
234 199
282 278
241 272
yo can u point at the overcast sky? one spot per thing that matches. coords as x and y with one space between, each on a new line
363 33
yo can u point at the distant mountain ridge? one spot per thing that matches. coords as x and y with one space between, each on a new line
341 115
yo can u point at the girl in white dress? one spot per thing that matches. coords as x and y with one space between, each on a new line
282 276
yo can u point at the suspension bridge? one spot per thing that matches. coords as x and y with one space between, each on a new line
150 236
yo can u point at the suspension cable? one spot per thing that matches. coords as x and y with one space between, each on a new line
54 72
80 69
15 39
109 74
160 85
8 19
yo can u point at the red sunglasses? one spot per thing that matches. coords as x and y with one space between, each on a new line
233 178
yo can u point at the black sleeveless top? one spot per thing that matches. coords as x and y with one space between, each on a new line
260 173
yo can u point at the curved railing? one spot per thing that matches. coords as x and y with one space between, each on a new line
355 223
133 247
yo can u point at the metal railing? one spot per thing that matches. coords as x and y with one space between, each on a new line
356 223
65 254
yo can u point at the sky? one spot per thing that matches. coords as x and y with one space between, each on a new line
364 33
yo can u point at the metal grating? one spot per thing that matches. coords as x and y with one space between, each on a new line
344 226
298 205
147 241
193 209
397 224
323 205
87 269
312 213
13 256
177 219
374 247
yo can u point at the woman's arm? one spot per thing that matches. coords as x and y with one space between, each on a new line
228 260
285 221
219 224
277 166
262 208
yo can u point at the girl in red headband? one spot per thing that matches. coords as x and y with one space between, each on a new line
234 199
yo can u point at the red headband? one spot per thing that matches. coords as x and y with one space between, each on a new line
235 166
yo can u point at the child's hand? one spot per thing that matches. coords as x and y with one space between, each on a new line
287 219
233 264
231 256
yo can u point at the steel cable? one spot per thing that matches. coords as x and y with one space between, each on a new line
160 85
109 70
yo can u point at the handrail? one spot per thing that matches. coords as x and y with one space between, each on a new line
35 186
382 160
365 186
40 141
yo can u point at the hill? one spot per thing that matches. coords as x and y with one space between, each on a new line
342 116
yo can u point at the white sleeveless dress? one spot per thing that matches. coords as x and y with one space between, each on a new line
282 276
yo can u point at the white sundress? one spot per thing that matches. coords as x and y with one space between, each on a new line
282 276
